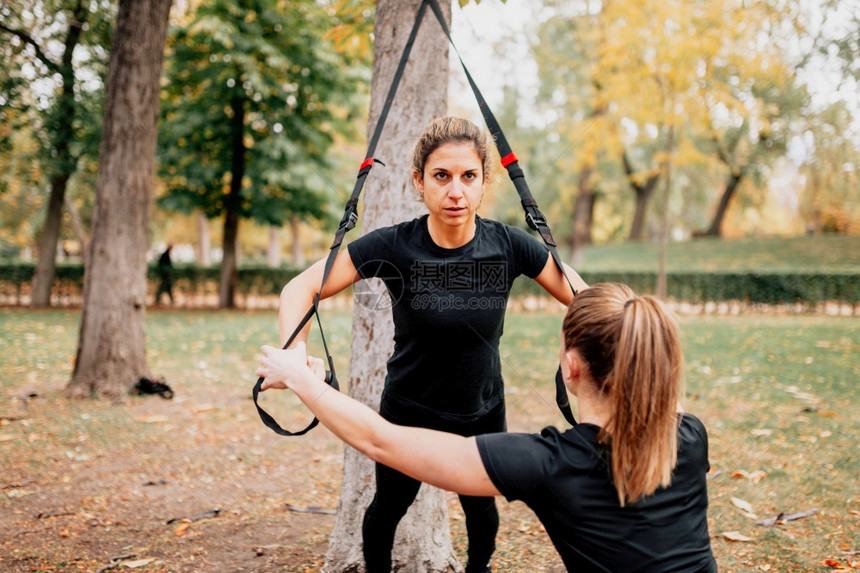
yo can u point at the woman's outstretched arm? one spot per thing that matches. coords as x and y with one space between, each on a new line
441 459
553 282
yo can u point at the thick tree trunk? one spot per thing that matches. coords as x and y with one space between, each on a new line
229 264
716 228
423 542
298 254
203 252
111 347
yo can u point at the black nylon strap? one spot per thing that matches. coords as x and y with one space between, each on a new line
534 218
347 222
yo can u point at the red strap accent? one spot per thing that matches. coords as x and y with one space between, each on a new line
366 163
509 158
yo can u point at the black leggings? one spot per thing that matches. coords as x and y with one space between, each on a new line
395 492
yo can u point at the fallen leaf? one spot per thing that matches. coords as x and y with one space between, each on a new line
138 563
741 504
735 536
765 567
180 530
833 563
64 533
7 437
761 432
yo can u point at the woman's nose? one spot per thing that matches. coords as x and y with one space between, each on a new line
456 189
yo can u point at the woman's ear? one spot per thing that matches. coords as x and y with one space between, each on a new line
417 181
572 368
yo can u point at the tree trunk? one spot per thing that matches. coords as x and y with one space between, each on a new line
298 254
643 194
583 213
273 253
43 277
716 228
111 346
423 542
229 264
64 163
662 289
203 252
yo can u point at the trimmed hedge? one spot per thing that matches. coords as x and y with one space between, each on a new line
695 287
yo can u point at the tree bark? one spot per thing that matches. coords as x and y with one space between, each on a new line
716 227
423 542
64 163
111 346
229 264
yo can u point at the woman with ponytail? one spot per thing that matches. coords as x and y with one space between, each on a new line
623 490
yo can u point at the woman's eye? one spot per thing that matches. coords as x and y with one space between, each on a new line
470 176
441 176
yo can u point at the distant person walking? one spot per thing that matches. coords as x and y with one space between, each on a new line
165 275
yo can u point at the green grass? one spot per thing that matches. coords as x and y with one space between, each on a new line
773 254
778 394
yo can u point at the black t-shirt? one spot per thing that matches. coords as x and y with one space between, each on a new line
448 307
565 479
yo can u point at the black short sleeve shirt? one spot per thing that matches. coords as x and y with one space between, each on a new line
564 478
448 308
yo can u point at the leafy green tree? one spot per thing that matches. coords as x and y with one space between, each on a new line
54 54
252 97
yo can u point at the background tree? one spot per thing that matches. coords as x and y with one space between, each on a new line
423 537
111 346
830 201
252 97
53 58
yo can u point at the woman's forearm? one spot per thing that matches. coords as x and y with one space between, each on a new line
445 460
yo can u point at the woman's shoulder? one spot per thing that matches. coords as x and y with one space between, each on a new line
690 423
509 233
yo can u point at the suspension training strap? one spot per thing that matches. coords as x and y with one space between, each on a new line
347 223
534 218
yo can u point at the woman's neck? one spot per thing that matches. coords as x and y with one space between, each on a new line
450 237
594 408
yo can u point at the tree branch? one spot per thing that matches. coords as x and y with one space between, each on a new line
27 39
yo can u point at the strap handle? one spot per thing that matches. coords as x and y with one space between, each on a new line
347 223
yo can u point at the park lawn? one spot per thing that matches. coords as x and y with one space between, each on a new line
86 481
828 253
